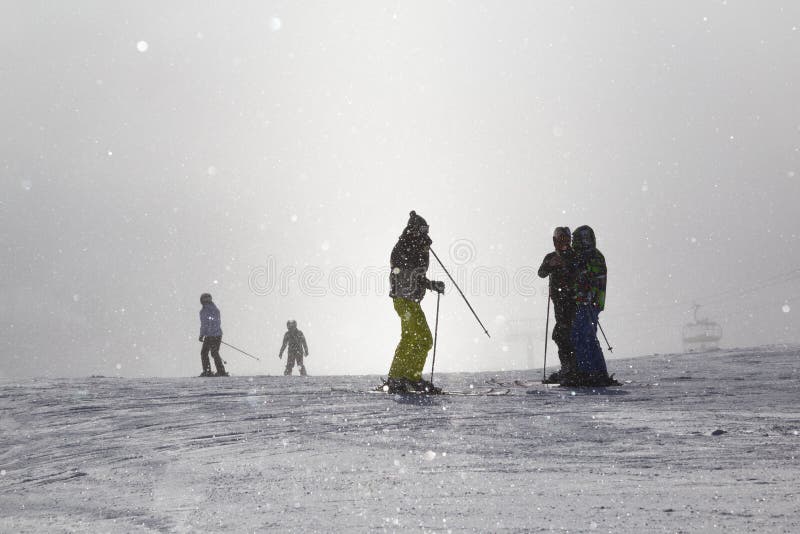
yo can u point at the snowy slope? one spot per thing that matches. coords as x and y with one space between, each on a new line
318 454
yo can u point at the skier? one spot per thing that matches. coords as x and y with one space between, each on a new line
558 265
296 341
409 265
210 336
590 298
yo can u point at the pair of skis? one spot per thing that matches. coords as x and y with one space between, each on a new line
490 391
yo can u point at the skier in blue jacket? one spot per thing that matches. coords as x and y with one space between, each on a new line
210 336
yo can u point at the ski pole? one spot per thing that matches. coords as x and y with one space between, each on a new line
462 293
435 334
604 336
546 332
240 350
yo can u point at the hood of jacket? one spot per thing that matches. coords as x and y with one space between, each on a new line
583 239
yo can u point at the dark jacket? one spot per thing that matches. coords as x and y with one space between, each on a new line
590 269
296 341
562 279
409 263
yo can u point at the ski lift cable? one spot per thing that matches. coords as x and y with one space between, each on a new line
726 315
782 278
708 300
756 308
722 315
648 317
747 291
791 274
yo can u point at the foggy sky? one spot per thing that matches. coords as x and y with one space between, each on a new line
153 151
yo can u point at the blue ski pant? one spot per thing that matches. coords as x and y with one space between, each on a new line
588 354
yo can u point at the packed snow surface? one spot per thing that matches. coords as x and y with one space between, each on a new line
691 443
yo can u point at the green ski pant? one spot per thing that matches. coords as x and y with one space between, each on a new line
415 341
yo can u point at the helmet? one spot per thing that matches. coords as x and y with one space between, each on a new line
562 237
205 298
291 323
562 231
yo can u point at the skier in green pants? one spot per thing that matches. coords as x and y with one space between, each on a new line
409 264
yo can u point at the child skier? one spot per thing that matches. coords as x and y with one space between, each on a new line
296 341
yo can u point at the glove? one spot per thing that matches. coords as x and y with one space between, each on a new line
280 356
437 286
307 355
201 339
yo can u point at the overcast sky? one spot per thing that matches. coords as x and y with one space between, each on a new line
152 151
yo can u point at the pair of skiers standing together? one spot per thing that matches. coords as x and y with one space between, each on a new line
577 274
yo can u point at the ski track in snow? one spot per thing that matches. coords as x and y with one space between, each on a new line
298 454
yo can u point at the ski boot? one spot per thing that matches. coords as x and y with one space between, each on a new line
206 372
554 378
397 385
610 381
423 386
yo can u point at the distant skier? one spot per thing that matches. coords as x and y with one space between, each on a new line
559 266
590 299
409 265
210 336
298 348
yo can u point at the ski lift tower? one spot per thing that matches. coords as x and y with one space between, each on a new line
701 335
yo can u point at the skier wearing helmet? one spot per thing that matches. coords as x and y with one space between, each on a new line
210 336
558 265
298 348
